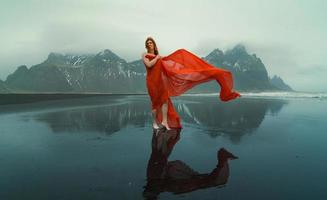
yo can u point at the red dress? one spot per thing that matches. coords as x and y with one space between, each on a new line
178 72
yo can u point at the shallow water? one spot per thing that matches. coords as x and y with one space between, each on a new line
104 148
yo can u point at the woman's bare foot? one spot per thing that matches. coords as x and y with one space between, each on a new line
166 125
155 125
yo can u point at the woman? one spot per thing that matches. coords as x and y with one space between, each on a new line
173 75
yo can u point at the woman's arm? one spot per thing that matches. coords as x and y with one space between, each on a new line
149 63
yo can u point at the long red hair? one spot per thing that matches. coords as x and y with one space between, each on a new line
156 52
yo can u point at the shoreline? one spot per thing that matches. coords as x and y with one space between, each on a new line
21 98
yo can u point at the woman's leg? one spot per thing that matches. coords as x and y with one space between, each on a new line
154 124
164 115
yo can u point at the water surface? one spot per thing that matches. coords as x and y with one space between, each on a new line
104 148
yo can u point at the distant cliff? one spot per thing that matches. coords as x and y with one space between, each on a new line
102 72
106 72
249 72
280 84
3 87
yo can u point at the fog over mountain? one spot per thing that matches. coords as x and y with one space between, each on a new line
288 36
106 72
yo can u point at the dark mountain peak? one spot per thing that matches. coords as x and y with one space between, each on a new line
54 54
238 50
3 87
54 57
216 52
108 54
22 68
239 47
275 77
19 73
106 51
278 82
216 56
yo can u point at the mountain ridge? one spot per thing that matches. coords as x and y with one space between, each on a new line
107 72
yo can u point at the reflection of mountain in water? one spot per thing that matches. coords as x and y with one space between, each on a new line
233 118
105 119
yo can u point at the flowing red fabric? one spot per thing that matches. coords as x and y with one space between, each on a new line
178 72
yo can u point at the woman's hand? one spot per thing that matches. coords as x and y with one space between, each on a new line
158 57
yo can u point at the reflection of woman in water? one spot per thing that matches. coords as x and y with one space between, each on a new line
173 75
176 176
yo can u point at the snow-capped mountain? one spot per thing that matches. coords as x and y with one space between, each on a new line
249 72
102 72
106 72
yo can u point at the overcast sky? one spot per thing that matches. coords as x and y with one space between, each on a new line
288 35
